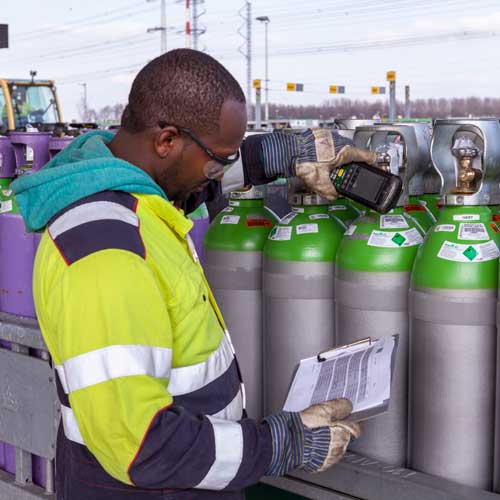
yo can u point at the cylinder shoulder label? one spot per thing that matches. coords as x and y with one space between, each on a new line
5 206
458 252
230 219
319 216
281 233
446 228
307 228
466 217
392 239
472 231
393 222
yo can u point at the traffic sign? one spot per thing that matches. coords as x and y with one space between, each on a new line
378 90
391 76
257 84
295 87
337 89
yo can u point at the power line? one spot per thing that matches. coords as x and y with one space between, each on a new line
403 41
104 18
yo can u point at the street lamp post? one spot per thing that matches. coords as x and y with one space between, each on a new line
266 20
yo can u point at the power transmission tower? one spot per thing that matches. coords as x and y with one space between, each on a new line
245 31
198 29
162 28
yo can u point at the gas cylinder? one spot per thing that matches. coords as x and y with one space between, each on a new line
233 266
17 247
201 222
57 144
417 144
372 277
299 263
7 204
17 253
344 209
452 311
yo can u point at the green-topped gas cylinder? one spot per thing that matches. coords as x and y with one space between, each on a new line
420 212
233 267
298 289
372 278
344 209
453 311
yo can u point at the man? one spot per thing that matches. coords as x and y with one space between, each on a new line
152 404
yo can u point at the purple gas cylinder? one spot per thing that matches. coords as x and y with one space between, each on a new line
201 222
57 144
17 247
7 172
17 255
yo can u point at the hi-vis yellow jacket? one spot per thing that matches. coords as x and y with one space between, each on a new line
147 376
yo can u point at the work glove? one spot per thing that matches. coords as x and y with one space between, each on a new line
312 440
311 156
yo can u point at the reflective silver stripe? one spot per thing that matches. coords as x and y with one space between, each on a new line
89 212
70 425
187 379
233 411
112 362
228 454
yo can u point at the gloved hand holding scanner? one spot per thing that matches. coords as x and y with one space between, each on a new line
329 164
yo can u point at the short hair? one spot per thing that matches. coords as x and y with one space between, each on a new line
182 87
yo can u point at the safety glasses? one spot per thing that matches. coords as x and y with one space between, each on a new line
217 165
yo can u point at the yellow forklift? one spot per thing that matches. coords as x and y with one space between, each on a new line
26 103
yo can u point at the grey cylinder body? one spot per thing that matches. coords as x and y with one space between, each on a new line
452 384
375 304
298 321
236 282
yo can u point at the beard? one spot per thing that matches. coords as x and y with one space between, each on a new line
177 188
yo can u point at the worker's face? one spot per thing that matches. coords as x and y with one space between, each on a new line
183 169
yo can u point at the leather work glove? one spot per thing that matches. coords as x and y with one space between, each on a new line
312 440
311 156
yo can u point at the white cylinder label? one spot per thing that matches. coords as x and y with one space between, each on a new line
457 252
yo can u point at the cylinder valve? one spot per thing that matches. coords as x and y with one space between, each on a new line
465 150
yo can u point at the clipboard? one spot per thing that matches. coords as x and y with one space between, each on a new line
306 387
324 355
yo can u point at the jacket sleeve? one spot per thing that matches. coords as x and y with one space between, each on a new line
114 354
251 169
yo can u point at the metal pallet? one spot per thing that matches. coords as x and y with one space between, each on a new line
355 478
361 478
27 389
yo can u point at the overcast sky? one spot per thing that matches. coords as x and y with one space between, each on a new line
445 48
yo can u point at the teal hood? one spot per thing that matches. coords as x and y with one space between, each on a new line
85 167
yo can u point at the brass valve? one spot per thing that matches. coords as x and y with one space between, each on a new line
468 176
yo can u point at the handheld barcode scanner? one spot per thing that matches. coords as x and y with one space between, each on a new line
402 157
371 186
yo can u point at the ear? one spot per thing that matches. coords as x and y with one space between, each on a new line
168 141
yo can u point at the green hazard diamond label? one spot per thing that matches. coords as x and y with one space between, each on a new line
399 239
470 252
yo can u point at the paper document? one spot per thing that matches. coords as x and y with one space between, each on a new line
361 372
